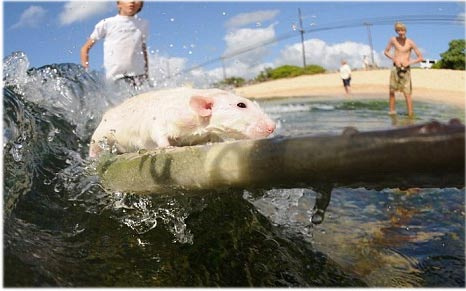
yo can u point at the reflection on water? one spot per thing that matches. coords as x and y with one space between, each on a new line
388 238
61 228
299 116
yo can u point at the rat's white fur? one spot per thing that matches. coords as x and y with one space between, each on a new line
177 117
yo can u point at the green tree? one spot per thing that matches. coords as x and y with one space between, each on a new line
264 75
232 81
454 57
288 71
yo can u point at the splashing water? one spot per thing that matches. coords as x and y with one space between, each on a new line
61 228
50 113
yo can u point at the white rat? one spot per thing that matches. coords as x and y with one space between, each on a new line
178 117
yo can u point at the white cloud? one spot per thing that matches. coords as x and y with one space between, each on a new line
164 70
461 17
31 17
80 10
252 17
245 70
328 56
242 39
250 63
165 73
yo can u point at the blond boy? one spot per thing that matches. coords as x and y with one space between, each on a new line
400 76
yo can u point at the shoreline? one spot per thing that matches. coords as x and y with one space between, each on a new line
441 86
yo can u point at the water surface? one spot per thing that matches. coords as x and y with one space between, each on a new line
62 229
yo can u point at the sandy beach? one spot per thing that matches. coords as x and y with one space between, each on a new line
443 86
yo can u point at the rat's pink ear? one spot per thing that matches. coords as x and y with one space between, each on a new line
201 105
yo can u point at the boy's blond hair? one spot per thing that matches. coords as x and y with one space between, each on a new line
400 26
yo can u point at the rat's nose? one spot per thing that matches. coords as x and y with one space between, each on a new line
271 127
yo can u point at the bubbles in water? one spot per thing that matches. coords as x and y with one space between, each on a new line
16 152
291 208
58 188
105 145
142 243
15 68
286 207
140 214
52 134
64 90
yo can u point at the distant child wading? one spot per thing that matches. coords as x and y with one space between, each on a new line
125 51
345 75
400 76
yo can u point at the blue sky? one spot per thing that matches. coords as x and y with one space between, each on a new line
186 34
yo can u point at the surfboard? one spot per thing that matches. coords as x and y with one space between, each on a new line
425 155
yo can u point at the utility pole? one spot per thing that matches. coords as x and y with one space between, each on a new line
368 26
168 68
223 69
301 30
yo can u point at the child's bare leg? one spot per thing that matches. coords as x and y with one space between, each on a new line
391 102
409 105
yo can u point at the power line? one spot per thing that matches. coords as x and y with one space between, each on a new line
412 19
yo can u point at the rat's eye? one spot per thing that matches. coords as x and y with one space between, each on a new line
241 105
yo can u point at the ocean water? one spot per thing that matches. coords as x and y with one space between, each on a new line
62 229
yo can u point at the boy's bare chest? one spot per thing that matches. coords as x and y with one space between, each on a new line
402 45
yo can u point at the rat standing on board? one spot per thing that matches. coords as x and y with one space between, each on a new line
178 117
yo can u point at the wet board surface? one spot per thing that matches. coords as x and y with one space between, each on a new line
427 155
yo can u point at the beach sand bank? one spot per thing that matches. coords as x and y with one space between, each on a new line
443 86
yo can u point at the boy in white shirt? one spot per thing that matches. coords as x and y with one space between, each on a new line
125 50
345 75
